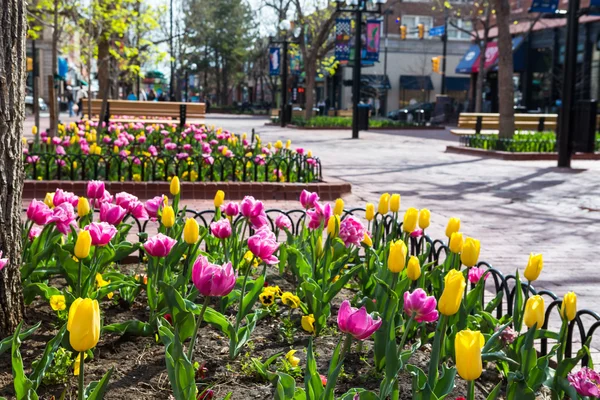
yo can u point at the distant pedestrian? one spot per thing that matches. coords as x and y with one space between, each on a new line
151 95
70 103
132 97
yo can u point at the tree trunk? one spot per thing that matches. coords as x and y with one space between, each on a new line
103 64
505 71
309 87
12 111
480 79
56 105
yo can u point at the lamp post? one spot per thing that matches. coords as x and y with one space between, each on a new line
192 67
358 8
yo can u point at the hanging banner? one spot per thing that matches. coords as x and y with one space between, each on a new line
342 39
296 63
274 61
373 38
544 6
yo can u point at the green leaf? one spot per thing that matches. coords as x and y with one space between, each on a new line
6 343
285 386
495 392
179 368
518 304
445 384
44 363
181 311
132 327
121 251
31 290
491 306
97 389
23 386
251 296
493 339
335 288
218 320
312 379
298 262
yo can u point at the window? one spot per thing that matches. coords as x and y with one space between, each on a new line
459 33
412 21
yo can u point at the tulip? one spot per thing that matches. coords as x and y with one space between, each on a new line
3 261
61 197
424 218
454 287
49 200
357 322
153 205
476 273
568 308
83 207
95 189
384 204
338 209
63 216
413 271
352 231
175 186
263 245
308 323
84 324
411 217
467 350
283 222
319 246
534 267
470 252
231 209
456 242
420 306
534 312
219 198
159 245
453 226
586 382
395 203
397 256
367 240
212 279
112 213
191 231
308 199
34 232
318 215
168 217
333 225
254 211
221 229
293 360
101 232
370 211
39 212
83 244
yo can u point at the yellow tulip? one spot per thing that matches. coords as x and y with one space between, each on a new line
83 244
57 302
367 240
467 350
219 198
83 207
395 202
168 216
84 324
191 231
454 287
333 225
49 200
279 144
534 312
470 252
397 256
288 144
456 242
319 248
339 207
309 154
424 218
568 309
308 323
175 186
410 220
293 360
413 271
77 364
534 267
34 130
453 226
384 204
370 211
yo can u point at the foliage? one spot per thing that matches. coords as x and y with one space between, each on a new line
538 142
345 122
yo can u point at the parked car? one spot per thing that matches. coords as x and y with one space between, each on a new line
419 112
29 104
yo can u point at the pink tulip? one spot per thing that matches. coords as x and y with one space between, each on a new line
39 212
221 229
586 382
508 335
319 215
352 231
254 211
476 273
417 233
212 279
153 205
356 322
64 217
60 197
283 222
112 213
300 150
159 245
308 199
152 150
231 209
3 261
263 244
95 189
421 306
126 200
101 232
34 232
138 211
60 150
106 198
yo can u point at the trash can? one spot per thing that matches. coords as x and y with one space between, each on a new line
363 117
321 110
287 113
584 134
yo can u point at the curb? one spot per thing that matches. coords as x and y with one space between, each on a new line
509 156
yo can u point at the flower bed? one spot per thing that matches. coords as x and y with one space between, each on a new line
540 142
156 152
268 294
345 122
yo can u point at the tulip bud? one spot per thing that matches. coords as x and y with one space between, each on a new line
456 242
534 312
370 211
424 218
534 267
84 324
453 226
83 207
319 246
339 207
34 130
219 198
454 287
83 244
175 186
367 240
413 271
568 309
470 252
168 216
397 256
467 351
384 204
410 220
395 202
333 225
191 231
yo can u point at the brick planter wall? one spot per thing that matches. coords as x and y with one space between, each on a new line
507 155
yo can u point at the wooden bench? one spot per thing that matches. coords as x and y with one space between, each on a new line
166 111
489 123
344 113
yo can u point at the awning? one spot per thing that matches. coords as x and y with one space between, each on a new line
416 82
469 64
377 82
456 84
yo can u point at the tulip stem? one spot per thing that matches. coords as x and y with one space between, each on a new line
409 326
200 319
79 280
471 390
81 380
239 314
436 350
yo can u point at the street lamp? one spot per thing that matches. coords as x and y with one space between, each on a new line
358 8
193 68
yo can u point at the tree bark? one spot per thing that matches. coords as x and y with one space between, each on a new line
103 64
12 111
505 71
480 78
309 86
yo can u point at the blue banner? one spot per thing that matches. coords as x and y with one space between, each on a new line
437 30
274 61
342 39
545 6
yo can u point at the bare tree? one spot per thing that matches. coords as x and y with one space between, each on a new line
506 90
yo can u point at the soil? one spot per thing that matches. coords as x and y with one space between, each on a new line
140 371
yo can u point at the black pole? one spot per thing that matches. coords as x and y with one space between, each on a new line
172 80
186 85
445 46
567 116
284 78
36 89
356 72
